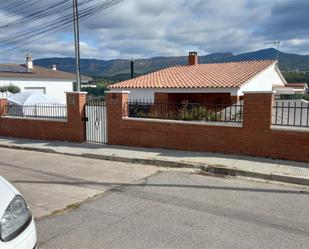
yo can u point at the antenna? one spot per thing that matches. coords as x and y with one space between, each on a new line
278 47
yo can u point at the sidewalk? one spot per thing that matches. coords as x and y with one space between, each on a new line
269 169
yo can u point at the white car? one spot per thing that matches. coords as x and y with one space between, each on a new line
17 228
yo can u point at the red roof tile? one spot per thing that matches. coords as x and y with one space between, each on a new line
217 75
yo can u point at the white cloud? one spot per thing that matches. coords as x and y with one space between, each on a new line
147 28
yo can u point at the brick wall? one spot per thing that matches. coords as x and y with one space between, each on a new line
254 138
72 129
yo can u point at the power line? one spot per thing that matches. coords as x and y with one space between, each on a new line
42 12
41 31
39 13
20 39
61 22
19 6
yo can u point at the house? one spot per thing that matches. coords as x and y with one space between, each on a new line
299 88
223 83
29 77
290 89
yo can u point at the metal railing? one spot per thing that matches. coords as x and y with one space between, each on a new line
186 111
291 113
91 100
96 102
48 111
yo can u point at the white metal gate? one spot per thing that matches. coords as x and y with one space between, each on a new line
96 125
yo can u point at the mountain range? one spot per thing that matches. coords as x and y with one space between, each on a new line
111 68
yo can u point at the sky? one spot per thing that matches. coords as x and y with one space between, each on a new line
150 28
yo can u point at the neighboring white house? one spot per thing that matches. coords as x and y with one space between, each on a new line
299 88
210 80
39 79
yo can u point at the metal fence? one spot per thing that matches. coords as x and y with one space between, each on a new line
186 111
48 111
96 121
291 113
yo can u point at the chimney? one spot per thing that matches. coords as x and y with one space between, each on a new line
29 63
193 59
55 67
132 68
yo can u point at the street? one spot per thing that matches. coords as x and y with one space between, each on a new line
52 182
122 205
182 210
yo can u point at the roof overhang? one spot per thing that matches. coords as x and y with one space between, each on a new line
232 91
280 74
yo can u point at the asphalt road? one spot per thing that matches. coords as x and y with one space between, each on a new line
51 182
182 210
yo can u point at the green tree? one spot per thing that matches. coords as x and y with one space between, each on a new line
3 90
9 89
13 89
296 77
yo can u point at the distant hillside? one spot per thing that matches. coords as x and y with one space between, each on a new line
286 61
121 68
111 68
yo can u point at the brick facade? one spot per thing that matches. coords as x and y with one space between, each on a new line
72 129
201 98
255 137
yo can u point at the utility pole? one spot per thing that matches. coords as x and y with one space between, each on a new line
77 49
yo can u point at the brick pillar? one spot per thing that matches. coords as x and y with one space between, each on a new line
3 104
76 102
116 109
258 110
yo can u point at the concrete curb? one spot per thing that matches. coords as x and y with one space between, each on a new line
213 169
154 162
219 169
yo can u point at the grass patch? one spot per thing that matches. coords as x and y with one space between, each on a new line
73 206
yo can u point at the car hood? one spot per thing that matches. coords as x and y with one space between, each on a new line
7 193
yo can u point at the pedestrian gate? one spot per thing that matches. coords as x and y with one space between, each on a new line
96 124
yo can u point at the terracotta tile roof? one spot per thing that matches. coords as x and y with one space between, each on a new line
302 85
37 73
217 75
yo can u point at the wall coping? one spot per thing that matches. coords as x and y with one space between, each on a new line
37 119
224 124
76 92
117 91
289 128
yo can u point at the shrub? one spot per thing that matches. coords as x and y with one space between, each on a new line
194 112
297 96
